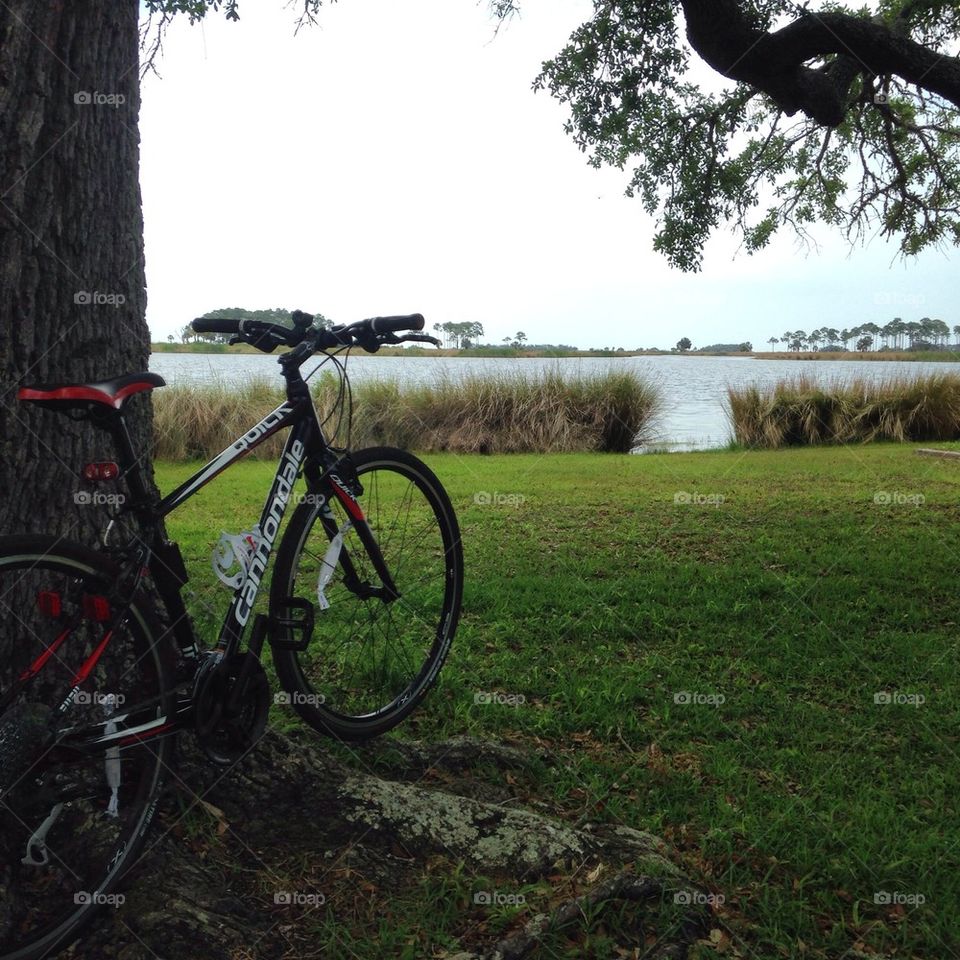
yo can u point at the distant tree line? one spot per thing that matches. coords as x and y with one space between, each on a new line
684 344
459 336
745 347
274 315
466 335
895 335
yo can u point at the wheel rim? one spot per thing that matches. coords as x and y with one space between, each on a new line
368 658
57 796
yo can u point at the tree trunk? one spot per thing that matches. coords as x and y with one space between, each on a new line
72 285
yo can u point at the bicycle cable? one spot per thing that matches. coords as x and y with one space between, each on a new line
344 393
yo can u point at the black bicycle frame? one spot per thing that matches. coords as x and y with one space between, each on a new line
306 450
305 439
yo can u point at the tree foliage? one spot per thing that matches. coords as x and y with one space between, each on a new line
745 347
924 334
841 115
270 315
279 315
459 335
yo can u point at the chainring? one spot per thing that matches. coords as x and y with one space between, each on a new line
231 703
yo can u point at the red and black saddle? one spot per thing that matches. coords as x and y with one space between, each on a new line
110 393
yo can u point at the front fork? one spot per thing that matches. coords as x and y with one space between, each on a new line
340 479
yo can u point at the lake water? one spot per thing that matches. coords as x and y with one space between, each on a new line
693 388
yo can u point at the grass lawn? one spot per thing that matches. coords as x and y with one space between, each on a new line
753 655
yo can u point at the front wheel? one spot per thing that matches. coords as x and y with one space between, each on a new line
377 645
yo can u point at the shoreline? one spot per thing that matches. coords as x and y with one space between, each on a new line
873 356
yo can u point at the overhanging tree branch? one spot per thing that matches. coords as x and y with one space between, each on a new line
774 62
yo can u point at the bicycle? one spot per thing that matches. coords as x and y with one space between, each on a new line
105 669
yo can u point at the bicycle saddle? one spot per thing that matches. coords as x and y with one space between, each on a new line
111 393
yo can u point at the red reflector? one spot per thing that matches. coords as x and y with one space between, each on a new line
49 603
96 607
106 470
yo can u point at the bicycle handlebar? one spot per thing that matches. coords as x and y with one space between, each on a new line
265 336
215 325
413 321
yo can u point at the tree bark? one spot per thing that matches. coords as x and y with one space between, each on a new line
774 62
72 284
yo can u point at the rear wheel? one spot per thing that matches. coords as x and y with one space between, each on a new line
373 655
73 814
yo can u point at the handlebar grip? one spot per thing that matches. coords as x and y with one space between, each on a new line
413 321
216 325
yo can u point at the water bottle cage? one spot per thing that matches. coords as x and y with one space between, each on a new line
232 556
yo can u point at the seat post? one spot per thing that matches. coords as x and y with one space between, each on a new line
131 467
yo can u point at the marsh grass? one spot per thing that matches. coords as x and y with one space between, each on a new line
506 413
802 411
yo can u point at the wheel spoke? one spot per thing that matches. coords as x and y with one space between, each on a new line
371 658
72 816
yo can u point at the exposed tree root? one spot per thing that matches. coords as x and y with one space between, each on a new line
248 863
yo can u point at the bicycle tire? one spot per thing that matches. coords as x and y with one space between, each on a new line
327 683
107 800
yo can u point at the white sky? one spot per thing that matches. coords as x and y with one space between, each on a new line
395 159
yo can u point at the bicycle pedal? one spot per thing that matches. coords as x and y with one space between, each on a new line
294 624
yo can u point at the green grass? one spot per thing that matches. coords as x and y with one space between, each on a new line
795 585
803 411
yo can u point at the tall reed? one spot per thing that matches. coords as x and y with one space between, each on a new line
502 413
802 411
